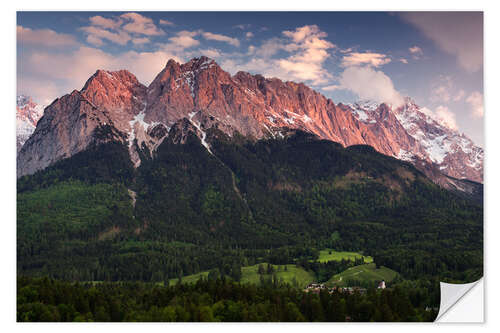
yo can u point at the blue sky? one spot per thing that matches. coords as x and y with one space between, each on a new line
435 58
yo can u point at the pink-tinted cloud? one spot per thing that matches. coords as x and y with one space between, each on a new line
403 60
182 40
140 40
140 24
68 71
441 90
366 58
459 96
416 52
107 23
96 36
45 37
475 101
457 33
166 22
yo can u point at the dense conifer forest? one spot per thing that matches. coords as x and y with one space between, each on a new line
94 218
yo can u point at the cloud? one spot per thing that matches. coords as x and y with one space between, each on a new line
303 33
309 50
166 22
249 35
348 50
220 38
332 87
45 37
475 101
371 84
51 75
446 117
442 115
366 58
182 40
416 52
121 29
403 60
96 36
211 53
296 56
140 40
459 95
105 22
457 33
141 25
441 89
242 26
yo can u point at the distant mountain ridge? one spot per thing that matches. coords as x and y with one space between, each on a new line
115 106
27 115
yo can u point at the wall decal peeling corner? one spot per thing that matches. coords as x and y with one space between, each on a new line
462 303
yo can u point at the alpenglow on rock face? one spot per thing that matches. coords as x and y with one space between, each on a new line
115 106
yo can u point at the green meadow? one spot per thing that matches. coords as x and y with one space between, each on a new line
250 274
332 255
363 275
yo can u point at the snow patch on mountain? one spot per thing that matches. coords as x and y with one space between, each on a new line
27 115
203 133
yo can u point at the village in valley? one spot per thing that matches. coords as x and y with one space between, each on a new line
316 288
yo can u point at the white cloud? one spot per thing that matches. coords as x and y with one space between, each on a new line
242 26
221 38
211 53
348 50
45 37
457 33
366 58
141 25
332 87
249 34
446 117
403 60
442 115
371 84
475 101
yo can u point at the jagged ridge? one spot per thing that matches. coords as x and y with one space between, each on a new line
200 92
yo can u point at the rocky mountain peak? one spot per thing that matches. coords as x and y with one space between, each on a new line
203 95
27 115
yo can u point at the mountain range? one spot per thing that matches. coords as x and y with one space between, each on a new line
199 95
27 115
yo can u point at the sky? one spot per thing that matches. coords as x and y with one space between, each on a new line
436 58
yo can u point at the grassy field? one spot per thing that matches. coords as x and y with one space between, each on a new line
362 275
332 255
292 275
302 277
